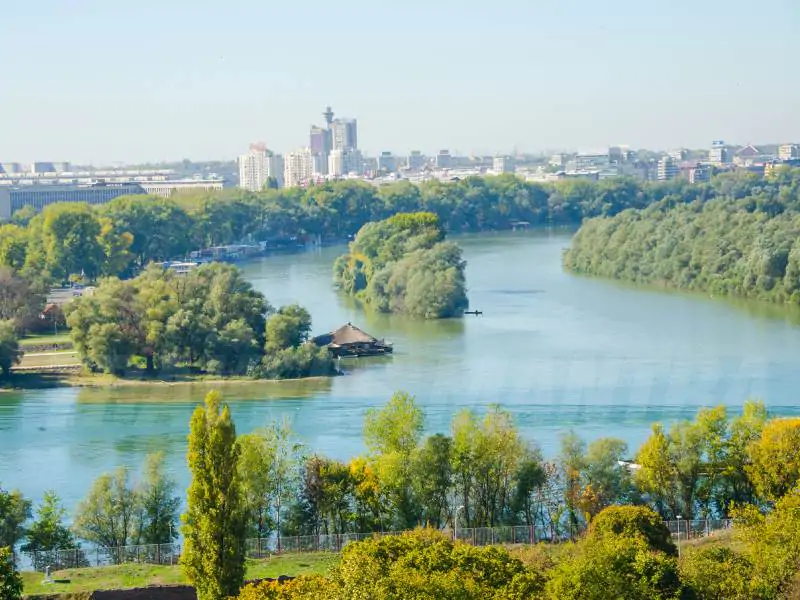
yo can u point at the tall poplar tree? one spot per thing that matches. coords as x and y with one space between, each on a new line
215 519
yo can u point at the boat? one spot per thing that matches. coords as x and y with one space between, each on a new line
473 312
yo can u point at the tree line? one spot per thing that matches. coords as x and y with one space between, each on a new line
128 233
483 474
209 320
743 243
403 264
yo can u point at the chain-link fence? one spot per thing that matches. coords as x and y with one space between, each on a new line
258 548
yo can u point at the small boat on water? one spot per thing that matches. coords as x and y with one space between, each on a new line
473 312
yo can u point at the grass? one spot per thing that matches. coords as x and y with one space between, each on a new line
48 338
49 359
137 575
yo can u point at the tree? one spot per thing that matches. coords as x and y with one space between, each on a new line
10 353
10 581
392 435
433 477
256 467
158 503
65 240
607 482
775 458
13 246
48 533
19 301
14 511
215 519
288 328
107 516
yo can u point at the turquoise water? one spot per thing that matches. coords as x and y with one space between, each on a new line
558 351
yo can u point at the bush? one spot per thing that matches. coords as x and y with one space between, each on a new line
293 363
425 564
616 567
634 522
718 573
10 581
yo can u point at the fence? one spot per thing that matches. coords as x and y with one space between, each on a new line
168 554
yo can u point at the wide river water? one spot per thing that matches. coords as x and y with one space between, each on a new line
558 351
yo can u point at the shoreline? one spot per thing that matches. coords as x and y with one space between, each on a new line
61 379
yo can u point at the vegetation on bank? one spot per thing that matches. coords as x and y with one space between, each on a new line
133 575
403 264
745 242
482 474
127 234
211 320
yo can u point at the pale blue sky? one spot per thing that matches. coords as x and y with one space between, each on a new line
117 80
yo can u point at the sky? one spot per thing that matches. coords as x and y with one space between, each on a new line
99 82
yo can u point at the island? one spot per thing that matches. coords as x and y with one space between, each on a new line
404 264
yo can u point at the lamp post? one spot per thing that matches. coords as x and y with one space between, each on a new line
679 535
455 523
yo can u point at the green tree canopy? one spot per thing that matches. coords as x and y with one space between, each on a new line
215 521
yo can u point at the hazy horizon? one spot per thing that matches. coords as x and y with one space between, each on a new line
99 84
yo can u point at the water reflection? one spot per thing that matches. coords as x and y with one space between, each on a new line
195 392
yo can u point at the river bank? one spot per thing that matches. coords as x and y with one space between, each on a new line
558 352
42 380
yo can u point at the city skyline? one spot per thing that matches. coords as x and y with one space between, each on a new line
474 78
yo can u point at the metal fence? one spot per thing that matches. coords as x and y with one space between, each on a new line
256 548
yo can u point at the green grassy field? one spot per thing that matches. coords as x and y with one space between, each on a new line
36 340
136 575
48 359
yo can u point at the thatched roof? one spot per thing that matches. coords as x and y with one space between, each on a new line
346 334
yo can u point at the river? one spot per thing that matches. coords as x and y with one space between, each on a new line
558 351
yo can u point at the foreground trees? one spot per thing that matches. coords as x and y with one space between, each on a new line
403 264
10 581
214 525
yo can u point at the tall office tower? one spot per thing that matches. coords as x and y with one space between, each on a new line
254 171
344 134
300 167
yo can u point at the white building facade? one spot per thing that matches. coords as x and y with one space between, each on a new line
300 167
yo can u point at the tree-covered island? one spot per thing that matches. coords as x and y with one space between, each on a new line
404 264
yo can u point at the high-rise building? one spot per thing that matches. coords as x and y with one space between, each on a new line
718 155
387 162
789 152
300 167
444 160
344 162
415 161
503 164
667 169
254 168
344 134
320 144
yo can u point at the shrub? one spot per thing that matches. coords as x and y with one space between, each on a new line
717 573
616 567
633 521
